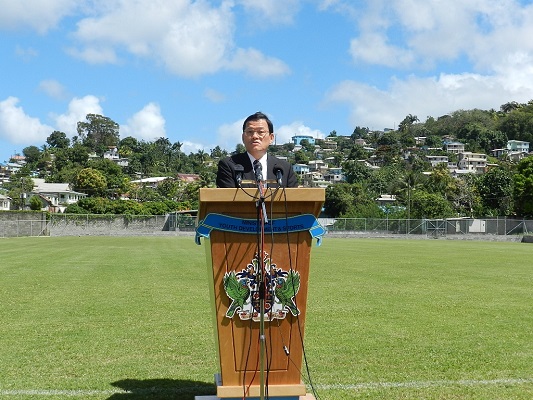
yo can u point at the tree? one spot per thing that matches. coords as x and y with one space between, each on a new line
356 172
496 188
523 187
35 203
301 157
239 148
58 140
433 141
307 146
357 152
32 154
407 122
98 133
339 199
91 181
218 153
429 205
440 181
117 182
359 133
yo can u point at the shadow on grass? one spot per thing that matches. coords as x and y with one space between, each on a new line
161 389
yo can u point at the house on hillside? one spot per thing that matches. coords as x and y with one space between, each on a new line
314 180
152 182
335 175
113 155
301 169
189 178
472 161
436 160
54 196
5 203
455 147
297 139
518 146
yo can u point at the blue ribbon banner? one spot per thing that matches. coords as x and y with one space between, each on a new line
297 223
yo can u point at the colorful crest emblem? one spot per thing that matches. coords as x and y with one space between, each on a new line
243 289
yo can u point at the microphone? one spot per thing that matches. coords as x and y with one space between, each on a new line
279 174
258 171
239 170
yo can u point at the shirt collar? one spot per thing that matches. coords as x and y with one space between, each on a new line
262 160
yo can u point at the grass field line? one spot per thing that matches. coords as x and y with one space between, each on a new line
355 386
424 384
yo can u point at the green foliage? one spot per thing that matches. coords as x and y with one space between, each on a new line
98 133
357 152
429 205
339 199
35 203
32 154
100 205
58 140
356 172
523 188
91 181
495 188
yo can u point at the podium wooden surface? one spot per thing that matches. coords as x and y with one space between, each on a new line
237 340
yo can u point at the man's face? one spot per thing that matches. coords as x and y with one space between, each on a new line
256 138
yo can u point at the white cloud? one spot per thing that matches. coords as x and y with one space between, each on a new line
26 54
78 109
95 55
19 128
229 135
147 124
188 38
285 132
492 38
188 147
255 63
268 11
419 34
214 95
434 96
39 15
53 89
373 48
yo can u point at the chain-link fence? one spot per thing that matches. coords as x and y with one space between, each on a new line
431 227
98 225
90 224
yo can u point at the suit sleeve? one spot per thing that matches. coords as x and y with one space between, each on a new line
225 175
292 180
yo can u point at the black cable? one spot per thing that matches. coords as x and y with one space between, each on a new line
291 269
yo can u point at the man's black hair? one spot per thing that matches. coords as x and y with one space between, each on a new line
257 116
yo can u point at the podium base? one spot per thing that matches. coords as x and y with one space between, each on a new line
275 392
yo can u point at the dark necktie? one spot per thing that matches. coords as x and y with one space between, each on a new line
258 171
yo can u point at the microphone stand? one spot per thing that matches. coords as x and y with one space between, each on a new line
262 217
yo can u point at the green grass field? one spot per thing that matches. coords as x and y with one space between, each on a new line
129 318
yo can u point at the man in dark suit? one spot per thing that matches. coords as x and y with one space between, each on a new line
257 135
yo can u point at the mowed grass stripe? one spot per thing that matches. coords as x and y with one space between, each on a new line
106 313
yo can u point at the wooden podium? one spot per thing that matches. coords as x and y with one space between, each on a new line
227 219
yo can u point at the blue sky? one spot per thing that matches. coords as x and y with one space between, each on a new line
191 71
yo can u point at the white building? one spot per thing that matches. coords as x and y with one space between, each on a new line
518 146
5 203
57 196
436 160
476 162
455 147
